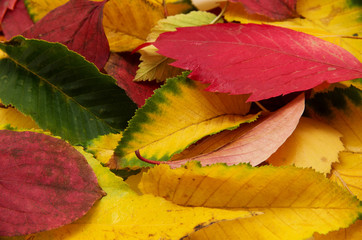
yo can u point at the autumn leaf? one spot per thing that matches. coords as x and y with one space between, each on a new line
341 109
66 95
312 144
123 68
352 232
296 202
155 66
273 9
78 19
336 21
149 217
5 6
16 21
274 60
14 118
103 146
42 176
177 115
250 143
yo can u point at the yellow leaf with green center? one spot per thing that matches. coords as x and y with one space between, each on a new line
155 66
179 113
126 22
348 172
296 202
103 146
14 118
123 214
336 21
341 109
312 144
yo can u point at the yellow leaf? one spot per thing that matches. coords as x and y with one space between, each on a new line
126 22
14 118
296 202
103 146
155 66
348 172
354 232
122 214
332 20
342 110
177 115
312 144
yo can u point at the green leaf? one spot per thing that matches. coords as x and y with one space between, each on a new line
177 115
61 91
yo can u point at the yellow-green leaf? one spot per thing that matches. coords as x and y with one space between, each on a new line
348 172
250 143
14 118
155 66
332 20
312 144
341 109
296 202
177 115
123 214
103 146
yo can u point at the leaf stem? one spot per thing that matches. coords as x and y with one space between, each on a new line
137 152
220 14
262 107
165 11
342 181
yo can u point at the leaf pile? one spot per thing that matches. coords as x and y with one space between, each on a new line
241 122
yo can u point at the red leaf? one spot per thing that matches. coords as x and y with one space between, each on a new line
262 60
78 25
252 143
4 6
273 9
123 68
16 21
44 183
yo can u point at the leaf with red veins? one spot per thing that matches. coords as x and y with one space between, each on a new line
273 9
78 25
123 68
253 143
16 21
6 5
44 183
262 60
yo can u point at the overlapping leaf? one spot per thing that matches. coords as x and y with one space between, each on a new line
296 202
14 118
352 232
250 143
16 21
155 66
5 6
341 109
273 9
80 22
274 60
337 21
123 214
42 176
299 149
177 115
123 68
66 95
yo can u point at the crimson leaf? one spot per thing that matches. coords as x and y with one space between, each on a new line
262 60
44 183
78 25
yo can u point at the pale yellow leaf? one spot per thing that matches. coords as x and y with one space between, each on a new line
296 202
354 232
155 66
14 118
312 144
